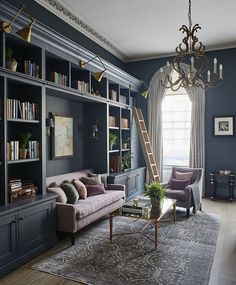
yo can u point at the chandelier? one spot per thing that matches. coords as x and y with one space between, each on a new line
191 52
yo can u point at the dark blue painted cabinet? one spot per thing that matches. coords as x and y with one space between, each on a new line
26 232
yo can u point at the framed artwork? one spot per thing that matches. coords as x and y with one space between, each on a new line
62 136
224 126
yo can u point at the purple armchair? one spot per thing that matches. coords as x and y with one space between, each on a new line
191 196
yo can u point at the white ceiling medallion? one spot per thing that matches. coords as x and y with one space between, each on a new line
69 17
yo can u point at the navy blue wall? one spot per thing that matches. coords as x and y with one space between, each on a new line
220 151
54 22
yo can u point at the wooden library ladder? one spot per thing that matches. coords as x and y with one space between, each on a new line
146 145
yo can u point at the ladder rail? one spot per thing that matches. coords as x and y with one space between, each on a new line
146 145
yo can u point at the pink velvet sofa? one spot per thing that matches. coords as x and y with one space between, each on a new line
71 218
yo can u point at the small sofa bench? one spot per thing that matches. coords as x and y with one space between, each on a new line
73 217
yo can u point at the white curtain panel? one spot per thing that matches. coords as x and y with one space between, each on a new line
156 95
197 141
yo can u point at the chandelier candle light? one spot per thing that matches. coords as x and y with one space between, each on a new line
191 52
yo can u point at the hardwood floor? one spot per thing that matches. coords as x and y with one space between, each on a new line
223 269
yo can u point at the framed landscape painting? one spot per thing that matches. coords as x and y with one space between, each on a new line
62 137
224 126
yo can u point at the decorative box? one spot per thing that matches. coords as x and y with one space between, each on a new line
112 121
122 99
124 123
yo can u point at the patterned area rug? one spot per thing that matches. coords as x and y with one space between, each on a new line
184 255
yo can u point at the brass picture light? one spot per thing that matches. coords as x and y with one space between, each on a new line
99 74
145 93
24 33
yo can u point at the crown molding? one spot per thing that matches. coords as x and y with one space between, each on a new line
47 38
65 13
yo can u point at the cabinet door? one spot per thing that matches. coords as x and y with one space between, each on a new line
132 185
35 227
141 180
8 240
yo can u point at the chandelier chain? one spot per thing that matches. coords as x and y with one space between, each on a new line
189 15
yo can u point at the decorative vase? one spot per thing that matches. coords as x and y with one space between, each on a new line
156 207
23 153
12 65
124 145
110 146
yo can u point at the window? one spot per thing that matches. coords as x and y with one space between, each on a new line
176 122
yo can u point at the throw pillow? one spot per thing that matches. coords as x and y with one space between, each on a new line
71 192
61 198
95 189
178 184
81 188
183 175
102 176
91 180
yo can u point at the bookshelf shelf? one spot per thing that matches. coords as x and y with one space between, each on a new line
114 150
125 129
24 121
23 160
114 128
125 149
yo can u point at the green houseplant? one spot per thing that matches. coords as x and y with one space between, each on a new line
156 192
24 141
11 63
112 140
125 142
126 160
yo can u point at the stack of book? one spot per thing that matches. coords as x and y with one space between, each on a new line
82 86
58 78
131 208
31 68
22 110
13 150
21 189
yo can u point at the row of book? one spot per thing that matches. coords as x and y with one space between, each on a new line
82 86
31 68
58 78
22 110
14 152
21 189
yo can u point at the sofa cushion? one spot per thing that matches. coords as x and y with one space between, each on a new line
183 175
91 180
71 192
93 190
61 196
94 203
81 188
175 194
178 184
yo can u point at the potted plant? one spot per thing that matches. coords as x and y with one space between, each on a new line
24 141
125 143
112 140
126 160
11 63
156 192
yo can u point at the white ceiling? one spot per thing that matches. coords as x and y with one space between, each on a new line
147 29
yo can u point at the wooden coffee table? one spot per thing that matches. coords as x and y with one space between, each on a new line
154 218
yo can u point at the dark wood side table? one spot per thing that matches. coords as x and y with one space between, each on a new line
217 179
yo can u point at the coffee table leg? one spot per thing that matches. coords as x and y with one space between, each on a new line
174 214
156 233
111 224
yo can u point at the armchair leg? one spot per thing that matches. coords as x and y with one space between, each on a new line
72 238
200 207
187 213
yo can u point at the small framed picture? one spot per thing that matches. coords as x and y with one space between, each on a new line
224 126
